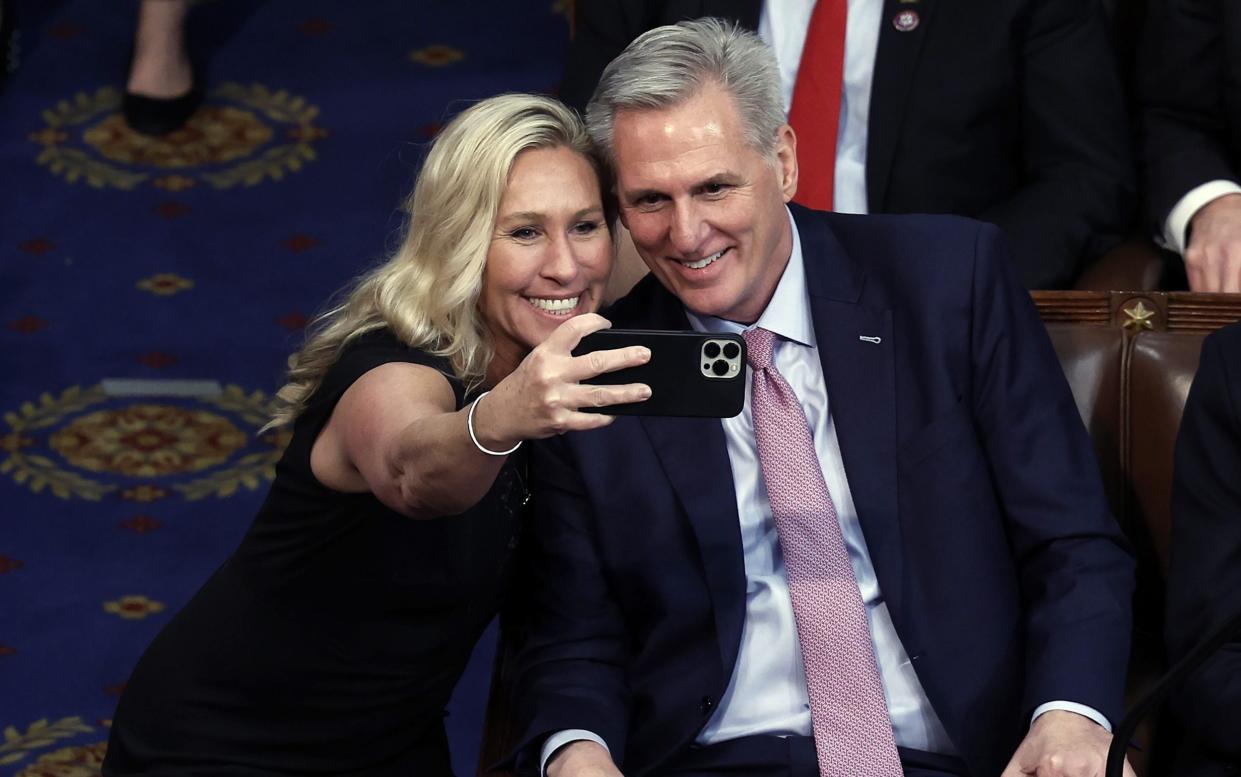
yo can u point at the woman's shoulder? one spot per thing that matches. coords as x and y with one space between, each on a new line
382 346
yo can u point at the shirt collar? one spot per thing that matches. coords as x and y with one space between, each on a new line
788 312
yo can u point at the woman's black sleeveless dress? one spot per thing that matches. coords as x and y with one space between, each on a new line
330 641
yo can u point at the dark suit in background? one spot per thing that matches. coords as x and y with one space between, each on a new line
1190 75
1204 585
1191 145
1008 111
978 493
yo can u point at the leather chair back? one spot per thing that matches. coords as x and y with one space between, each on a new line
1130 359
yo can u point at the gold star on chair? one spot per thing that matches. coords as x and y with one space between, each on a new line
1139 316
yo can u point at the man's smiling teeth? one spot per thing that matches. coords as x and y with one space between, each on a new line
557 307
701 263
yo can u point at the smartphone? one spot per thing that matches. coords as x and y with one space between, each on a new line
695 374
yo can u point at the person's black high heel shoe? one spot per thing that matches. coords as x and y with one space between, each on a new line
160 115
160 38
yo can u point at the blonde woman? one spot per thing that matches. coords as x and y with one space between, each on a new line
330 641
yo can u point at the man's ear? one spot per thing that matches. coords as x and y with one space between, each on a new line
786 160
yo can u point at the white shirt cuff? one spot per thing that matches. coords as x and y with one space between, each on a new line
568 736
1069 706
1185 209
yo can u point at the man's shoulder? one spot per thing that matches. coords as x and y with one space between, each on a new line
922 252
1227 339
895 236
1221 353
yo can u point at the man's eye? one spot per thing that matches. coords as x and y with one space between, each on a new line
648 200
715 188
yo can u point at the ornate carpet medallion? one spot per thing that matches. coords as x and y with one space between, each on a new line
18 743
148 440
215 135
243 135
85 444
79 761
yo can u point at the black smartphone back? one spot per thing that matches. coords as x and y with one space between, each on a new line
690 373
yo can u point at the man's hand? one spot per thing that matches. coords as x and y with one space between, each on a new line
582 759
1063 744
1213 256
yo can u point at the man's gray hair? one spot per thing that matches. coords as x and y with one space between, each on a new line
668 65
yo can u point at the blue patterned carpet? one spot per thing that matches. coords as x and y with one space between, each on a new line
150 292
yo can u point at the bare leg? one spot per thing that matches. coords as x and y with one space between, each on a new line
161 65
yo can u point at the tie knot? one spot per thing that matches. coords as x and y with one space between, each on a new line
759 343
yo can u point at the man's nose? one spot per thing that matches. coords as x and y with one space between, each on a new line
686 231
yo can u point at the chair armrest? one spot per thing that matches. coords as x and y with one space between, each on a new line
1134 265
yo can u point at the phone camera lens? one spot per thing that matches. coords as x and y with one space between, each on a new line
731 351
711 350
720 367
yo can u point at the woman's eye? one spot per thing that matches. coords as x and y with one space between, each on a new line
524 233
586 227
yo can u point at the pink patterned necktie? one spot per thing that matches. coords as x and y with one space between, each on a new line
852 729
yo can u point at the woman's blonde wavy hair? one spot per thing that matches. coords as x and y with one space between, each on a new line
427 292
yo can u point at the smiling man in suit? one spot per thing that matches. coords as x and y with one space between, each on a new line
896 559
1007 111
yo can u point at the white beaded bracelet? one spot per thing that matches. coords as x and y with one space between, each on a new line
469 424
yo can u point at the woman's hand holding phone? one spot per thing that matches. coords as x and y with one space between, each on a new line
543 396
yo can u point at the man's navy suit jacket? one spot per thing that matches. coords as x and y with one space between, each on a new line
975 484
1204 579
1188 83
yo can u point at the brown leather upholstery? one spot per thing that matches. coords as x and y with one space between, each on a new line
1161 369
1130 390
1092 359
1130 358
1135 264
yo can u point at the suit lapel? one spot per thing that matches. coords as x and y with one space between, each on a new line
896 64
693 453
861 393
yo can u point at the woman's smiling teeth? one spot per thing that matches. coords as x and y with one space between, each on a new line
701 263
557 307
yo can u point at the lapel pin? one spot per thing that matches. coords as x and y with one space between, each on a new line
870 339
906 21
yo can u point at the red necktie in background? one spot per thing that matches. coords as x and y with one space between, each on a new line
815 112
